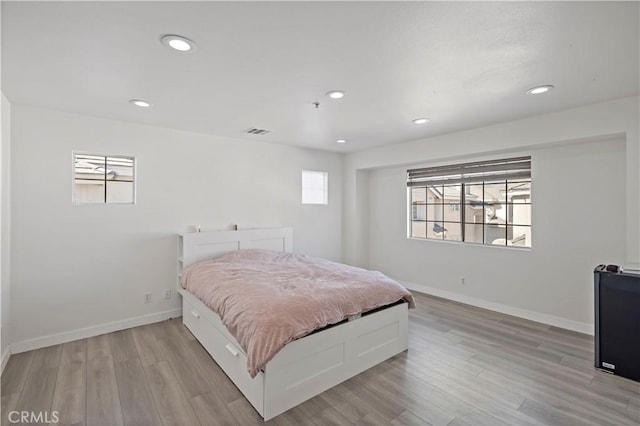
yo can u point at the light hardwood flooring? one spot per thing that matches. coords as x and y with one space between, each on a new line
465 366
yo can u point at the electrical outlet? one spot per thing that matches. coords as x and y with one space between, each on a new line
147 298
167 293
463 281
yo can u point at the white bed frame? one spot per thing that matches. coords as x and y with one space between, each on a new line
305 367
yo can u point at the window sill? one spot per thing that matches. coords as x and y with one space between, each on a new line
469 244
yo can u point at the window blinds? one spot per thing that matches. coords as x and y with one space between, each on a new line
481 171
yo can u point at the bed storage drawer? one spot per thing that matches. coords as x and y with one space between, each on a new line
223 348
191 318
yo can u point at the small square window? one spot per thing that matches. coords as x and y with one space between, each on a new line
315 187
103 179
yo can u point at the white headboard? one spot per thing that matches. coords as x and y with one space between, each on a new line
197 246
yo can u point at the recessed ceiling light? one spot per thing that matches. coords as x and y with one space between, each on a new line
341 141
420 121
335 94
539 89
179 43
140 103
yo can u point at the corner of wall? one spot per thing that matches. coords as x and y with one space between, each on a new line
5 228
633 196
355 217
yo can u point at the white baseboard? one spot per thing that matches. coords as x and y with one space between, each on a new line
580 327
5 358
83 333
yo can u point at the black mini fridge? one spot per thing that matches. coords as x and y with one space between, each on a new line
617 322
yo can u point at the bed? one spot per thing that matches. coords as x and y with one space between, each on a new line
304 367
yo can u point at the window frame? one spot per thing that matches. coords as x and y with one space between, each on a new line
134 178
326 188
463 201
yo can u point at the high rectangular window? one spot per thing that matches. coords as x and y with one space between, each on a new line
315 187
103 179
483 202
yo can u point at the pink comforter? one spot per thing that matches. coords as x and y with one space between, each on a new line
267 299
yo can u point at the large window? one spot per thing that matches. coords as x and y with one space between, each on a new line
103 179
485 202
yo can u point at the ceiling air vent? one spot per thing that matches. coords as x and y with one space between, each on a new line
254 131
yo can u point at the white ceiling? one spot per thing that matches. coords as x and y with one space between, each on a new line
263 64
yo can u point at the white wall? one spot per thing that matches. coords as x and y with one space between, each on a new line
569 304
578 214
5 229
82 266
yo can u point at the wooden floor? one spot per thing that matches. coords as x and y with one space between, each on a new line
465 366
